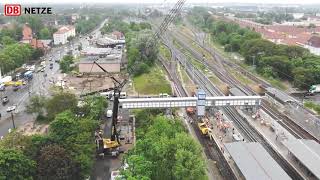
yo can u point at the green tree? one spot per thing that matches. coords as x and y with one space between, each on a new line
94 106
16 166
139 168
65 63
60 102
76 136
165 144
35 22
36 105
37 53
6 40
45 33
54 162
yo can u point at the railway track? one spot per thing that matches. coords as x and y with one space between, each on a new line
211 149
251 133
286 122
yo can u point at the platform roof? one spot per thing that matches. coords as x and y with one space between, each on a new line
254 161
307 152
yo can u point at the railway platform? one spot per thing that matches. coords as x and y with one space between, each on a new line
275 134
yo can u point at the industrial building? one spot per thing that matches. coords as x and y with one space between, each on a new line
110 62
110 42
92 51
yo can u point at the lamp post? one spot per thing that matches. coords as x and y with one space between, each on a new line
12 119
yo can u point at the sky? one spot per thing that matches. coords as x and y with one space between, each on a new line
161 1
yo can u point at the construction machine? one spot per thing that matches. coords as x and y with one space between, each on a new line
112 145
203 128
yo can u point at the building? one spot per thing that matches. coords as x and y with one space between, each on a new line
302 36
27 38
74 17
109 42
110 59
62 35
27 35
96 51
314 45
118 35
111 63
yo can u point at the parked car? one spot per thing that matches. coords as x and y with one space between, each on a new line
109 113
5 100
2 87
11 108
16 87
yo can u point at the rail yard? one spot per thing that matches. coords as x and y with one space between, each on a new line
219 66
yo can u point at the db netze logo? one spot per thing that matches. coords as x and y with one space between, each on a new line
12 10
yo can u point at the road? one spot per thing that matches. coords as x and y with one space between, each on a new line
39 84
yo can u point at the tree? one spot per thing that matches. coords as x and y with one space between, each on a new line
6 40
45 33
36 105
75 135
60 102
65 63
34 22
139 168
165 144
55 163
37 53
142 49
14 165
94 106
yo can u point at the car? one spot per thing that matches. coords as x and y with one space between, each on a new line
42 70
16 87
39 69
11 108
2 87
5 100
32 68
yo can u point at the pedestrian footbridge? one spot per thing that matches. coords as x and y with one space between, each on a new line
171 102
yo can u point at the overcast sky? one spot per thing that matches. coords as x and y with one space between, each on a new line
161 1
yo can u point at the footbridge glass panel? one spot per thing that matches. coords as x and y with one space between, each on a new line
138 103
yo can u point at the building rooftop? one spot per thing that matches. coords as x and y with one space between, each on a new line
110 59
254 161
109 41
307 152
281 96
314 41
96 51
64 29
26 32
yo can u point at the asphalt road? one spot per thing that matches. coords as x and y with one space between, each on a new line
38 85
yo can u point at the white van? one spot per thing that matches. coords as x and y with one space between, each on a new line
109 113
163 95
123 95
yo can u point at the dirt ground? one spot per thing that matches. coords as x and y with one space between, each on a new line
86 83
31 128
